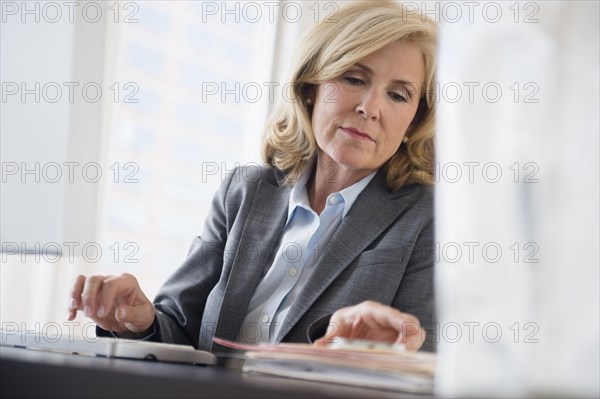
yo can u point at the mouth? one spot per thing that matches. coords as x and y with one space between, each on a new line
357 134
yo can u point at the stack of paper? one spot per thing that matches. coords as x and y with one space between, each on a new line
389 369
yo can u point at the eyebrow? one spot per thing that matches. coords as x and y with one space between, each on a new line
401 82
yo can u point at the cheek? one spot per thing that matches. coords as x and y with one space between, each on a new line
328 93
324 120
317 124
396 132
401 123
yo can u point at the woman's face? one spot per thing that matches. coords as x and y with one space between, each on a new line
360 118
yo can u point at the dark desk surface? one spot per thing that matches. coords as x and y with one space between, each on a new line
27 373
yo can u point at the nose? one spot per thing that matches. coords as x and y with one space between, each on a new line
369 106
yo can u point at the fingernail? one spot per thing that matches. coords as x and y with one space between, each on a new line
122 313
87 311
69 315
72 303
101 311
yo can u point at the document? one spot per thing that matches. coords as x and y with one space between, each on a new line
376 367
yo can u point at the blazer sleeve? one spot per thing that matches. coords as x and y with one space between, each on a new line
181 301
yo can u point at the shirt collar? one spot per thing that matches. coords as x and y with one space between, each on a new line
299 193
351 193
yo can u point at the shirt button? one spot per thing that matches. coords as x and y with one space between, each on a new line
333 200
292 271
265 318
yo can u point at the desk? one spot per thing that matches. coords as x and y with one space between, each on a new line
28 373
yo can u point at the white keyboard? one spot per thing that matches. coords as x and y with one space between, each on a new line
109 347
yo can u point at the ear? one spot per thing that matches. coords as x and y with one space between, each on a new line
309 94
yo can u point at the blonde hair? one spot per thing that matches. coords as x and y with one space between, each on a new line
329 49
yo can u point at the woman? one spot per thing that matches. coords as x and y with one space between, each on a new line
339 219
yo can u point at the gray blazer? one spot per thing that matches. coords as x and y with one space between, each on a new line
382 251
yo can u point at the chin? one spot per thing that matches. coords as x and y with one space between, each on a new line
356 166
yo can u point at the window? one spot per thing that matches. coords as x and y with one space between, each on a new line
188 87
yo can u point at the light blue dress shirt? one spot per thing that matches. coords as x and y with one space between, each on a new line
304 236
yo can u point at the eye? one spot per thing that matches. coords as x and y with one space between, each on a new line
353 81
398 97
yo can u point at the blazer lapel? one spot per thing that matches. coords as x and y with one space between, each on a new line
262 232
370 215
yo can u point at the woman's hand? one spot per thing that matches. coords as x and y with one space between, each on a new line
374 321
114 303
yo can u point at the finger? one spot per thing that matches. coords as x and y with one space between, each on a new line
370 329
415 341
376 314
413 335
340 325
407 327
89 295
116 290
75 297
135 318
75 294
384 323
